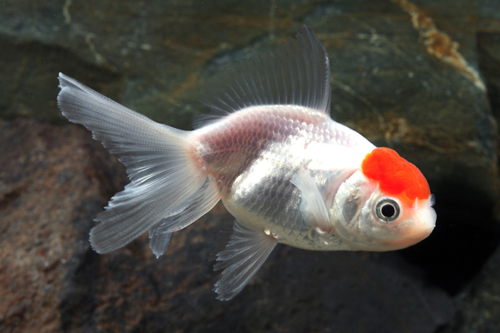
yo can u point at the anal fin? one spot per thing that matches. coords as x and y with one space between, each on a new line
191 210
247 250
159 242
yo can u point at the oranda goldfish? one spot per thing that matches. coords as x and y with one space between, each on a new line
282 167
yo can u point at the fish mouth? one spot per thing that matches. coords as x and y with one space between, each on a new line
420 235
424 224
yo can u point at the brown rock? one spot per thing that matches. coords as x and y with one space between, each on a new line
53 181
405 73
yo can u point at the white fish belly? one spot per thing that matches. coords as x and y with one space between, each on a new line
254 153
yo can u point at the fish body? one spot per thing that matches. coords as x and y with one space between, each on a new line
254 154
282 167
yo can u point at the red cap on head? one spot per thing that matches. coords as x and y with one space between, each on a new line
395 175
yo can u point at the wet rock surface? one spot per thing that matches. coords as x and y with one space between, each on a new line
421 77
52 183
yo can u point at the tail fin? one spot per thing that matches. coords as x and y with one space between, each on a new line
164 178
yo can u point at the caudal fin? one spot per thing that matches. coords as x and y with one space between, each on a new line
167 191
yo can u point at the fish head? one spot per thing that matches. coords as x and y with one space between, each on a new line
387 205
389 223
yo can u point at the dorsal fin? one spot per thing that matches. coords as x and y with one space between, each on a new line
297 73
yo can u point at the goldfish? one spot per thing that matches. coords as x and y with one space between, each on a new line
281 166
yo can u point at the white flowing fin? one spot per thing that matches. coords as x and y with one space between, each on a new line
297 73
247 250
159 242
195 207
312 205
163 174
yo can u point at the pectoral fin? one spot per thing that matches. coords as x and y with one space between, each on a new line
245 253
312 205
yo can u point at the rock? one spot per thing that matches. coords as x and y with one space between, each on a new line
479 305
156 51
295 291
29 77
489 50
404 74
53 182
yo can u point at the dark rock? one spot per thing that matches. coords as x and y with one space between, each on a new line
160 47
404 74
296 291
29 78
479 305
53 182
489 50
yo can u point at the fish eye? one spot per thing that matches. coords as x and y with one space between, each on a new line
387 210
